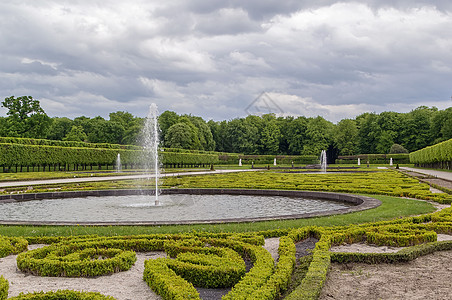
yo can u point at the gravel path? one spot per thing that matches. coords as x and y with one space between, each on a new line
440 174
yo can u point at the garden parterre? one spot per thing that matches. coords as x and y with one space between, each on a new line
384 182
216 260
201 259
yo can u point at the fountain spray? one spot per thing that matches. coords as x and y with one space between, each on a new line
151 146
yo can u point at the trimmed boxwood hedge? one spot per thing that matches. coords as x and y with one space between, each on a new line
12 245
75 260
216 259
4 287
62 295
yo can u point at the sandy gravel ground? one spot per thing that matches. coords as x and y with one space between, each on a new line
427 277
128 285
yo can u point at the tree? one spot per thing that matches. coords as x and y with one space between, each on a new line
76 134
103 131
242 136
368 132
166 120
26 118
270 135
416 133
318 136
396 148
294 134
346 137
182 135
204 134
59 128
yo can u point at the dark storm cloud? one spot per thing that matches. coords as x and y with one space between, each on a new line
212 58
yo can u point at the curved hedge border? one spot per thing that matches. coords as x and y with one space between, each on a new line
194 251
62 295
12 245
401 232
75 260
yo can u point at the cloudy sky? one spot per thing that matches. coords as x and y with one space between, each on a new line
213 58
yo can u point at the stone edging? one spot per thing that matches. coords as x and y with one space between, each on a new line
360 203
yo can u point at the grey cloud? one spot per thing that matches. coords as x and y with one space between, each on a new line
212 58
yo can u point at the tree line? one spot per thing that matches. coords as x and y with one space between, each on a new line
265 135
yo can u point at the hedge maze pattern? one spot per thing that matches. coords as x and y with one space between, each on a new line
217 260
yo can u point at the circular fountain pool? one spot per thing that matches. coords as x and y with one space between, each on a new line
177 206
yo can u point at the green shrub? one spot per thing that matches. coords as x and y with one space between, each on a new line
279 280
4 286
75 260
166 283
62 295
12 245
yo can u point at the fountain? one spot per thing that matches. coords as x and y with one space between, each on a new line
359 161
274 162
240 162
118 163
390 162
205 206
150 148
323 163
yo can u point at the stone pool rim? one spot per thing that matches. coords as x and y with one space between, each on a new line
360 203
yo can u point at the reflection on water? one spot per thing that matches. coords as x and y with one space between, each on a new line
173 208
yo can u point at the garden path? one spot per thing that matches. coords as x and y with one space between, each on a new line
440 174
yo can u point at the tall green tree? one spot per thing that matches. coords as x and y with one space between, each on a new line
368 132
76 134
182 135
295 134
346 137
416 128
270 135
204 133
26 118
59 128
319 133
166 120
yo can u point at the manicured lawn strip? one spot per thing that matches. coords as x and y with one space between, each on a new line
391 208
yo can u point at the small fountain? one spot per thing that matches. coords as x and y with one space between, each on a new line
390 162
323 163
118 163
240 162
151 145
359 161
274 162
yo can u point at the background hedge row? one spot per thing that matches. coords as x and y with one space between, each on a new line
436 156
401 158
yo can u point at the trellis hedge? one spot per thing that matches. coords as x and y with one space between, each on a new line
438 156
233 159
400 158
56 157
19 153
43 142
